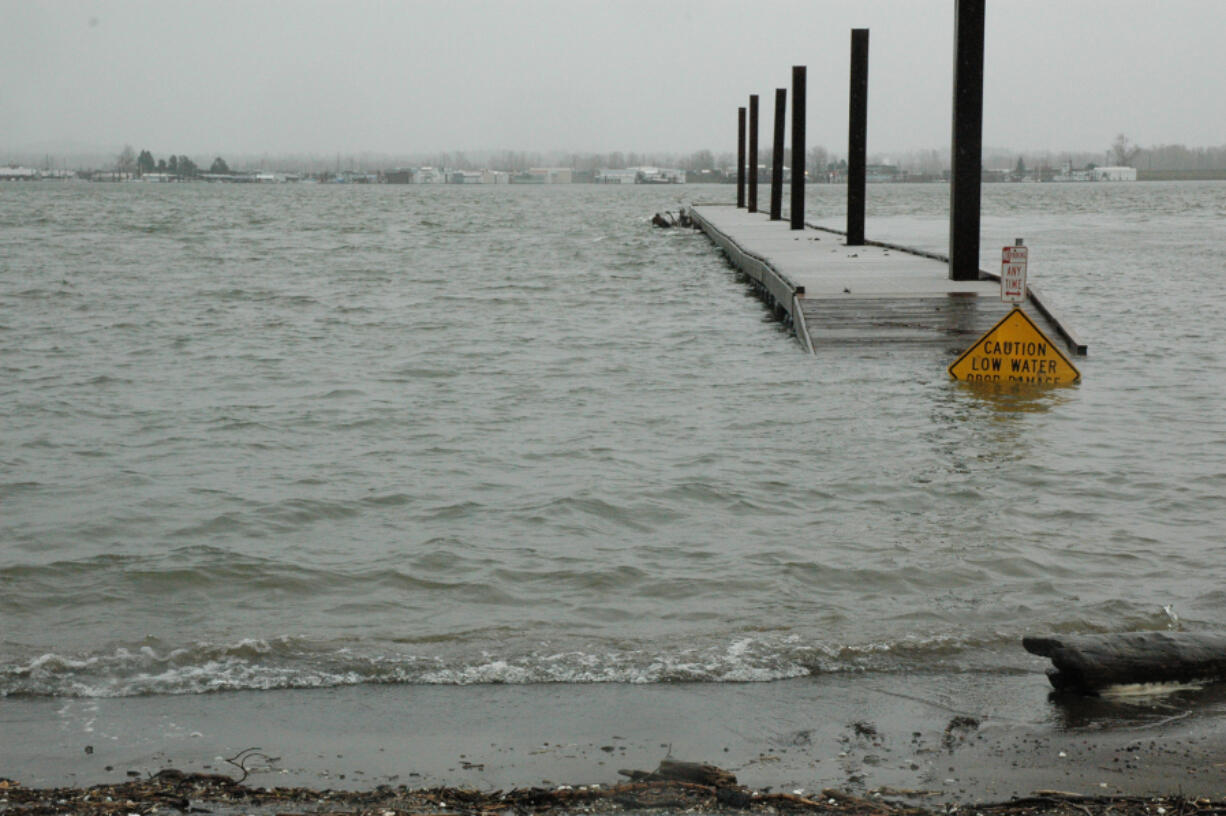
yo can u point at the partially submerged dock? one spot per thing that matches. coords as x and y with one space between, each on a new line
837 287
873 293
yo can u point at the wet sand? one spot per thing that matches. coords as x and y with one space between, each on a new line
924 738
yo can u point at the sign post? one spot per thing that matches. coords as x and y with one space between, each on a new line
1015 350
1013 273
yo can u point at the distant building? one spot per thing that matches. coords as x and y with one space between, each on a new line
543 175
428 175
615 176
641 175
398 176
478 177
658 175
711 177
1067 173
878 173
1114 174
343 177
13 173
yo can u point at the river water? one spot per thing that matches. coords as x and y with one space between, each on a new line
260 437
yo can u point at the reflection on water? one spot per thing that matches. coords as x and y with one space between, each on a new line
1137 706
1014 398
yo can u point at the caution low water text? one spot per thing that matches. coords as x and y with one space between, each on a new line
1014 351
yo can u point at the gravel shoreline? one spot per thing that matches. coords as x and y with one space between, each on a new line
172 791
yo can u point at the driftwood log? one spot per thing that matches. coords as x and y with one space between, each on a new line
1090 663
674 770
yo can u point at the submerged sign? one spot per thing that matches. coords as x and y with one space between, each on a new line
1015 350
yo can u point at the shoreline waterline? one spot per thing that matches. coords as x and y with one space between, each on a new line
963 737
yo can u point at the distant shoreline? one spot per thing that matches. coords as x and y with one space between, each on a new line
1181 175
109 177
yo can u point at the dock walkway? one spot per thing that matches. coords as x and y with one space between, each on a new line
873 294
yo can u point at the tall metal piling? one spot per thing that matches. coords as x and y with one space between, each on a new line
740 157
857 137
798 147
753 152
781 103
966 150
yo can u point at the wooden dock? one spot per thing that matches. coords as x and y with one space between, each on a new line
863 295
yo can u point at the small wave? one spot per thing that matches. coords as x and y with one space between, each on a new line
287 664
199 669
226 423
104 379
414 372
295 663
389 500
10 489
454 511
341 393
43 294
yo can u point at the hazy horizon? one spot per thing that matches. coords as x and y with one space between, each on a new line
319 77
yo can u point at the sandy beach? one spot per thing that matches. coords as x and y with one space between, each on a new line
927 738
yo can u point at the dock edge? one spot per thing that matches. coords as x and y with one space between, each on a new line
779 292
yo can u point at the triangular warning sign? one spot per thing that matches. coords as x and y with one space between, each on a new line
1015 350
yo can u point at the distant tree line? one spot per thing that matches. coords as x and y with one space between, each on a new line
515 161
181 166
1123 153
820 162
1180 157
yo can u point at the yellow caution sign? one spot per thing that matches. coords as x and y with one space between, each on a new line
1015 350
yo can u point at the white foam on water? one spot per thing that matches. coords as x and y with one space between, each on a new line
253 664
1146 692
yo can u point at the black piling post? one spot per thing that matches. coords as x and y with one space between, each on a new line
781 104
857 137
966 151
753 152
740 157
798 147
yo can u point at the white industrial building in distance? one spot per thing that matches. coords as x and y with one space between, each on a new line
1114 174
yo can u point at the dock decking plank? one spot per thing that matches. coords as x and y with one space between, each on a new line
956 321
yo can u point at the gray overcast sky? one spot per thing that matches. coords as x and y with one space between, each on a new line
218 76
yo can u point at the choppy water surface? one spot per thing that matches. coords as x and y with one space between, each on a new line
260 437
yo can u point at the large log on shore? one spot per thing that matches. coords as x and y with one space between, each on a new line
697 773
1090 663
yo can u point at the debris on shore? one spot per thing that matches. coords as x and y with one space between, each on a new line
1087 664
175 792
